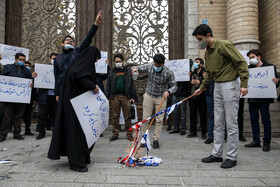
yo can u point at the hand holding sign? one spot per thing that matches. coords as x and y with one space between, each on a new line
101 65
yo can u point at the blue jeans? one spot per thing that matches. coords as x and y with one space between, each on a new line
183 108
210 107
254 109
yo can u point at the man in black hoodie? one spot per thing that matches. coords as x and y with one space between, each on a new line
262 105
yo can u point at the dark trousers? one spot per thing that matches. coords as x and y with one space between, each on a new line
254 109
13 113
202 108
27 117
1 113
183 108
240 118
47 111
210 109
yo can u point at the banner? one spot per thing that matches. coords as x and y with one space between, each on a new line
180 69
93 114
14 89
45 77
101 65
8 53
260 84
122 120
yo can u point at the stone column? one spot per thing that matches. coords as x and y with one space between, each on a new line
242 23
2 20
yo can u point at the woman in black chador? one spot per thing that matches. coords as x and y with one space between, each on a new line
68 138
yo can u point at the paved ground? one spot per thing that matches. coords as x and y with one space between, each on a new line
181 165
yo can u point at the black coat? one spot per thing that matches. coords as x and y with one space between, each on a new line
63 60
263 100
68 137
183 89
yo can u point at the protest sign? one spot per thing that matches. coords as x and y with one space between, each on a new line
180 69
101 65
15 90
8 53
260 84
93 114
45 77
122 120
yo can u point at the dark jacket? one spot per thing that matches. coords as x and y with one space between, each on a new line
197 76
183 89
16 71
128 83
263 100
42 96
63 60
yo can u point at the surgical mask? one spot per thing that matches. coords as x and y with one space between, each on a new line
118 65
254 61
29 68
52 61
195 65
157 69
202 44
68 46
20 63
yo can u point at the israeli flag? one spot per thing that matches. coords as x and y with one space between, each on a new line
146 140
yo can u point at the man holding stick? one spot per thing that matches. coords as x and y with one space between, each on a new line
223 64
161 83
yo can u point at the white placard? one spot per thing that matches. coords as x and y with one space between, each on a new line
122 120
180 69
101 65
45 77
93 114
14 89
260 84
244 54
8 53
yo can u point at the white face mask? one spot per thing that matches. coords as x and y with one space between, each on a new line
118 65
52 61
254 61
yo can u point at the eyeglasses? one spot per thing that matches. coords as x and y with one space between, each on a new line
69 40
118 61
21 59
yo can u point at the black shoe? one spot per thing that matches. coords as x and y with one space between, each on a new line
192 135
49 128
253 144
78 169
212 158
101 135
182 132
168 128
28 133
40 136
2 139
266 147
155 144
203 136
113 138
174 132
208 141
19 137
37 130
228 164
242 138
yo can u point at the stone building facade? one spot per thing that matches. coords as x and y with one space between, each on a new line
247 23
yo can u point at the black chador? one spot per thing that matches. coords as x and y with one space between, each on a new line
68 138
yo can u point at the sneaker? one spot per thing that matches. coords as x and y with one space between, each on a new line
168 128
174 132
203 136
28 133
155 144
253 144
266 147
129 137
209 141
40 136
192 135
113 138
2 139
242 138
182 133
228 164
212 158
18 137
